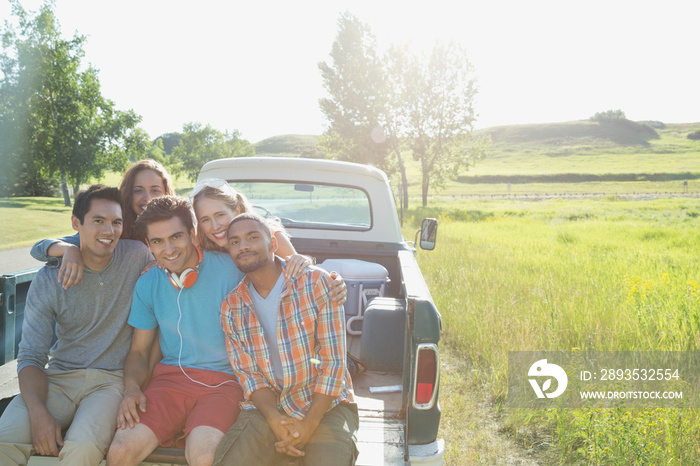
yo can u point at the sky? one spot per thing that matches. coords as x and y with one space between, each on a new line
253 66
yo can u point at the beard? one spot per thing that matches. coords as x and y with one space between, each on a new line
252 263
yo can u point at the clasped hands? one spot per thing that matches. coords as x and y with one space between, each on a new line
292 434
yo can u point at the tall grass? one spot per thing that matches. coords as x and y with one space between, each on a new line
559 275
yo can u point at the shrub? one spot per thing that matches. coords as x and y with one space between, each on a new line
25 181
654 124
33 184
610 115
694 135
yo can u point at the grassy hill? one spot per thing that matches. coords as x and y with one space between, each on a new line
585 147
575 156
289 145
636 150
621 132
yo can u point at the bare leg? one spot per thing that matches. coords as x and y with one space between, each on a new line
201 444
131 446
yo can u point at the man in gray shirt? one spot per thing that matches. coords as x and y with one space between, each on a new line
69 408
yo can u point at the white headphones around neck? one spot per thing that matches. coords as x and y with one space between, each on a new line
187 277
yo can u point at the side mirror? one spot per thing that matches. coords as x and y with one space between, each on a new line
428 234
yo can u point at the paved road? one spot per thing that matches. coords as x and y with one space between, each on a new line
14 260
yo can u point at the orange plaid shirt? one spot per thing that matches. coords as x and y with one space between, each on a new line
309 325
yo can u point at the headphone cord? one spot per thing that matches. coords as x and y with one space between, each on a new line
179 356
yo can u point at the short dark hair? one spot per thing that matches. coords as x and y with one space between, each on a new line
254 217
165 208
83 200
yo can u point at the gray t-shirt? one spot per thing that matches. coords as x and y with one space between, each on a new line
89 319
267 310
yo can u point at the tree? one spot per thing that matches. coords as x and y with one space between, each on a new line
435 96
404 101
10 135
200 145
169 141
355 81
63 124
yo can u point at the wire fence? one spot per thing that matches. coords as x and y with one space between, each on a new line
540 196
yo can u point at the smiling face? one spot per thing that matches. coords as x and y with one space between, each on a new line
249 246
99 232
172 245
147 185
213 217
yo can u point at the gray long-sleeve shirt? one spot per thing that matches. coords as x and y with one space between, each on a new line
90 318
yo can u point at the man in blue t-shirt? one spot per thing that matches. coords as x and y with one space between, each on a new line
193 396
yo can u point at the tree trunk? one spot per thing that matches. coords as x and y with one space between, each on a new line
64 190
404 180
76 188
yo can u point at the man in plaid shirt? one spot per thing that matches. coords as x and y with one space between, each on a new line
286 344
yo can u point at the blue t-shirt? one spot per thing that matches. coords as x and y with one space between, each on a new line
155 304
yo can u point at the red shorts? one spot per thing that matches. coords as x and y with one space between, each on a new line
176 405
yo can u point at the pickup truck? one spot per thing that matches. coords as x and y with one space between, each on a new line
343 215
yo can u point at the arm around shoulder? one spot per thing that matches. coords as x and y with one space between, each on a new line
44 252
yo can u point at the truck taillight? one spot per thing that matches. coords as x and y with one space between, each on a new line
427 376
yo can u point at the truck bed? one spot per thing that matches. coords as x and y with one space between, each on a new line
381 434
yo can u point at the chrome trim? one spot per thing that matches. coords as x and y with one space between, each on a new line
433 397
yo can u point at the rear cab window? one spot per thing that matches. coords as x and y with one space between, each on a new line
312 206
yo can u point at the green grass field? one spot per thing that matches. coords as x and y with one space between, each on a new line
564 148
26 219
563 275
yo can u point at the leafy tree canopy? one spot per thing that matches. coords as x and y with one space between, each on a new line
53 117
382 105
355 82
609 115
199 145
169 141
437 113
